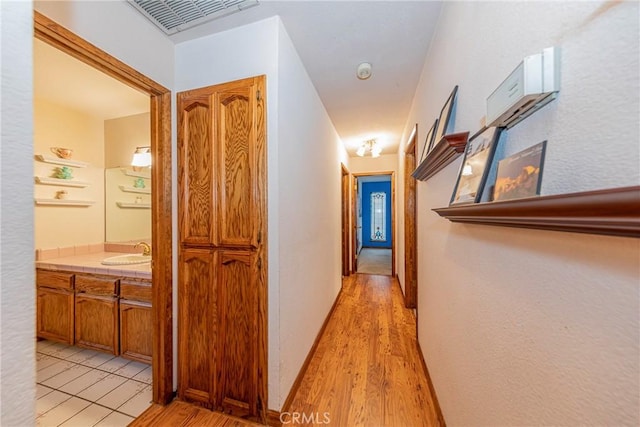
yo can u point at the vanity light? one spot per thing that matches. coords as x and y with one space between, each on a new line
141 157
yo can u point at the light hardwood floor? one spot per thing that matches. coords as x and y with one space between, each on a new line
366 370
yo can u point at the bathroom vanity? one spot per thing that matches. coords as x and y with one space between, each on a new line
107 308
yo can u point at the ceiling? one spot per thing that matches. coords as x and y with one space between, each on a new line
331 37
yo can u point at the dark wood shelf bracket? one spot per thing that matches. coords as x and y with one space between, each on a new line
445 151
614 212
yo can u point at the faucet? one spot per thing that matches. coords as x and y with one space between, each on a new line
146 248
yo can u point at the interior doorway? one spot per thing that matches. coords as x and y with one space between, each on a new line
373 220
345 221
410 224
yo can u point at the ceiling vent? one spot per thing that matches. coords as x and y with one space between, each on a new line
173 16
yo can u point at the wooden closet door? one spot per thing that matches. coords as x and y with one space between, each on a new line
222 276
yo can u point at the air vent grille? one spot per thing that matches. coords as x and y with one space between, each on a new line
172 16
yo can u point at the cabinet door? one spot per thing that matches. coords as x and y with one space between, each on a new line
97 322
136 330
55 314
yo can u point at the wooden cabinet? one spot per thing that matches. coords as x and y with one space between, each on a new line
96 313
136 327
222 321
55 306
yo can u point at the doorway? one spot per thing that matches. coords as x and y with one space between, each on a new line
345 221
410 224
59 37
373 221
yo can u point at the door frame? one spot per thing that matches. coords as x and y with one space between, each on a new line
345 218
393 217
61 38
410 225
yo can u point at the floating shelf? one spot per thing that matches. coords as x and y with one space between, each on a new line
63 202
614 212
64 162
445 151
134 205
45 180
129 189
128 172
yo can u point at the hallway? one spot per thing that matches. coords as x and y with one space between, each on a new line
367 370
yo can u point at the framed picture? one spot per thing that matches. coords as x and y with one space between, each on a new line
445 115
428 141
475 166
520 175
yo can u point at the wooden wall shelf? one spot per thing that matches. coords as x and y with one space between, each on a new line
614 212
64 162
445 151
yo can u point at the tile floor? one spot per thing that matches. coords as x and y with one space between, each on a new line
80 387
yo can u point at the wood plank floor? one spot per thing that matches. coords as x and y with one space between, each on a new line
366 370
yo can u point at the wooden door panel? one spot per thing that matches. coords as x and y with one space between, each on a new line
136 330
97 323
55 315
237 293
196 323
236 170
196 165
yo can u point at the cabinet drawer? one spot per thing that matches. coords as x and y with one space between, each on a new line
96 285
136 291
54 279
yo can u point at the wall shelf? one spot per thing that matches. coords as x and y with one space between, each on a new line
614 212
45 180
445 151
129 189
63 202
134 205
141 174
64 162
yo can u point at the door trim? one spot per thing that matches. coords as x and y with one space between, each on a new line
59 37
393 217
410 225
345 217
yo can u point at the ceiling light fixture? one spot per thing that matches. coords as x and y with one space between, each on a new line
364 71
370 145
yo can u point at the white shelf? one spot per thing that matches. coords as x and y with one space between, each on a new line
45 180
141 174
63 202
134 205
129 189
64 162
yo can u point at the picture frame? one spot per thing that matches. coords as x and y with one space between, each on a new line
520 175
445 115
428 141
478 156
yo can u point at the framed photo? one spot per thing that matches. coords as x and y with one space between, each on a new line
445 115
475 166
520 175
428 141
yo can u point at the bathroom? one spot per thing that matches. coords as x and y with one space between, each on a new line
92 210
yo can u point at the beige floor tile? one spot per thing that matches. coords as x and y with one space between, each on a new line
114 364
62 412
87 380
67 376
102 387
42 390
144 376
98 359
89 416
131 369
51 347
53 370
138 403
45 361
43 344
50 401
65 353
83 355
115 420
121 394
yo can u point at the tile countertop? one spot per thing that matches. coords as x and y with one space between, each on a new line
91 263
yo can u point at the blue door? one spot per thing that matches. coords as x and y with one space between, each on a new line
376 214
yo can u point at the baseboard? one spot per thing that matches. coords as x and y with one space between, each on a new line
305 365
273 418
432 390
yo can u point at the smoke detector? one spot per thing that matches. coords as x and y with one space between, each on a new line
364 71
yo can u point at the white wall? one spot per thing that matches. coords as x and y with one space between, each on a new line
309 174
384 163
17 298
522 327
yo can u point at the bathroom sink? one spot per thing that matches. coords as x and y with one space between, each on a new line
126 259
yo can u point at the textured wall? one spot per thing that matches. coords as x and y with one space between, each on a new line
17 298
526 327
